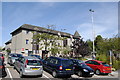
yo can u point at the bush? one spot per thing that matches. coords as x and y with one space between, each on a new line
115 63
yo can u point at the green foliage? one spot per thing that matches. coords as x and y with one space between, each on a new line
102 47
66 50
50 41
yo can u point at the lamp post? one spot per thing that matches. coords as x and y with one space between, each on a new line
93 53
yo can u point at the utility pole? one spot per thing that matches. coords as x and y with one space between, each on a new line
93 31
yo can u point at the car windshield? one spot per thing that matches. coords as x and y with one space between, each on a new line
19 55
105 64
67 62
34 62
81 63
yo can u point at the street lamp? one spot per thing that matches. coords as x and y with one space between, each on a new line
93 53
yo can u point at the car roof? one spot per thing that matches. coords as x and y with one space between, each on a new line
96 61
76 59
34 55
30 58
58 58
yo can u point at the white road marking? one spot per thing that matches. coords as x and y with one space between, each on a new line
9 74
46 76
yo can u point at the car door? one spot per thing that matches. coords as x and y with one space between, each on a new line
50 64
21 65
90 64
18 64
45 63
96 65
75 65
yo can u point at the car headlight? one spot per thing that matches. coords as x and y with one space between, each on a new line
85 70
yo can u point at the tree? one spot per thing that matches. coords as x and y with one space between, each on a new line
50 41
0 49
81 48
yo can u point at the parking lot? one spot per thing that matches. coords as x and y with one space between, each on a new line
12 74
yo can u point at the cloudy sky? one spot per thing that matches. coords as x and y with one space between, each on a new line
71 16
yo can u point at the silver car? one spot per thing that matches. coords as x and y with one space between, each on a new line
29 66
12 57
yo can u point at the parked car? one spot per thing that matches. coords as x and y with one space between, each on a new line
99 66
2 69
28 66
2 57
58 66
12 57
81 69
37 56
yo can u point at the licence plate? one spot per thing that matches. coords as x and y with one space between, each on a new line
91 73
68 69
35 68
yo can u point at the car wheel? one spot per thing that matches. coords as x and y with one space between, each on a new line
97 72
68 76
21 74
41 75
79 73
54 74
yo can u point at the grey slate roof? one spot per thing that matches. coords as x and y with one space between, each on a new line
77 34
41 29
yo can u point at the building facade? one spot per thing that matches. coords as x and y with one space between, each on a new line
22 39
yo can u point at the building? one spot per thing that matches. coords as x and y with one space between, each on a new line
22 39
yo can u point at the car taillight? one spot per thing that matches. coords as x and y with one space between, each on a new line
26 63
60 68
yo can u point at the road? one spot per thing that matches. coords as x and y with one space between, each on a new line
12 74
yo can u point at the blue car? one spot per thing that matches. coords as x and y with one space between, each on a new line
58 66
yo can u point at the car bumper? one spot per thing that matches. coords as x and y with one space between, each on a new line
32 72
64 73
106 71
88 73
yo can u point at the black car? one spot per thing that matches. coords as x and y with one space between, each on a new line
81 69
58 66
2 69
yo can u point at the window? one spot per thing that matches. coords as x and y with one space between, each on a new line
96 63
27 31
67 62
89 62
27 41
65 43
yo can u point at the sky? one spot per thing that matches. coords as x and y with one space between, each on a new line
72 16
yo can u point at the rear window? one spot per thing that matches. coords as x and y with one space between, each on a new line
34 62
105 64
16 55
67 62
